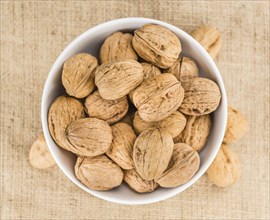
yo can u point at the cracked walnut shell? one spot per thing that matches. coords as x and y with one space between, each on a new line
116 47
202 96
159 97
78 75
110 111
152 152
183 166
157 45
89 136
122 145
98 173
116 79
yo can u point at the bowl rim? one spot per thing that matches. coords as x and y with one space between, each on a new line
109 23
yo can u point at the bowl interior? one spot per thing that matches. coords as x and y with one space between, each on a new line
90 42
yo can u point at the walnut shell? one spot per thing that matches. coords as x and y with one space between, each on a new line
122 145
174 124
89 137
39 155
225 169
78 75
157 45
63 111
159 97
184 69
209 38
133 179
184 164
98 173
116 47
152 152
149 71
116 79
110 111
237 126
202 96
196 132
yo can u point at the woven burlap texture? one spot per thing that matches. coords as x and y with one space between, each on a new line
33 34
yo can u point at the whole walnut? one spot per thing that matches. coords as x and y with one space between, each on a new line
110 111
63 111
133 179
116 47
184 69
225 169
98 173
202 96
159 97
184 164
152 152
78 75
173 124
149 71
89 137
121 148
196 132
209 38
115 79
237 126
157 45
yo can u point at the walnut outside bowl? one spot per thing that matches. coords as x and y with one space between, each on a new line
90 42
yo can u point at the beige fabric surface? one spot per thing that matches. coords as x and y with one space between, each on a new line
33 33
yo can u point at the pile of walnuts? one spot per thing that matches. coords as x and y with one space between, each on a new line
142 77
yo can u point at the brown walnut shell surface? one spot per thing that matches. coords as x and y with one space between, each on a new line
133 179
98 173
122 145
184 69
183 166
110 111
159 97
89 136
78 75
115 79
174 124
157 45
202 96
63 111
149 71
237 126
196 132
152 152
225 169
116 47
209 38
39 155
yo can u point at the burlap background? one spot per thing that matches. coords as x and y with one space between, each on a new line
33 33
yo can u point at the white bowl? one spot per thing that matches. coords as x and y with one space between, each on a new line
90 41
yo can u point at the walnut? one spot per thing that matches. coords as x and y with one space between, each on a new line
78 75
157 45
116 47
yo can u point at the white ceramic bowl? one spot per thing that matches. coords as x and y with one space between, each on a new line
90 41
